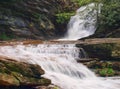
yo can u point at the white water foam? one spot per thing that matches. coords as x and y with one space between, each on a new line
59 63
59 60
83 24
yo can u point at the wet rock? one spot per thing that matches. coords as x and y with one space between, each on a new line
105 68
8 80
13 73
103 51
23 68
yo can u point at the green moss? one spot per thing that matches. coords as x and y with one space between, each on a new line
16 79
7 80
16 73
4 70
30 80
33 81
13 67
21 68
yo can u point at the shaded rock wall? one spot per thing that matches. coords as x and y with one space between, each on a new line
32 19
104 51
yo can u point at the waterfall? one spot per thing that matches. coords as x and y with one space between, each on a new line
83 24
60 65
60 60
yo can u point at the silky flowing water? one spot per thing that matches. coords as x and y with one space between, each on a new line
83 24
60 65
60 60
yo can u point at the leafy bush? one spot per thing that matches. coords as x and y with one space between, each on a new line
110 16
63 17
107 72
4 37
84 2
109 19
107 69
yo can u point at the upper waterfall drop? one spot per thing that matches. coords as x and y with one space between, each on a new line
83 24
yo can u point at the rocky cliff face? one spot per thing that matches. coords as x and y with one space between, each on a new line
32 19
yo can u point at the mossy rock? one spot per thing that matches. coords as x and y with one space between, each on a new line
105 68
103 51
13 73
23 68
31 81
8 80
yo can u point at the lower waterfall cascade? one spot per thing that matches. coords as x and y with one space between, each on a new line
60 65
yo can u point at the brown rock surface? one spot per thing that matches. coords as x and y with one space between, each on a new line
13 73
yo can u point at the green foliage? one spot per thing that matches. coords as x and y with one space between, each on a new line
107 72
84 2
63 17
110 16
107 69
4 36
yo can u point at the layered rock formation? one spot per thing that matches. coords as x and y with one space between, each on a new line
19 75
107 51
30 19
104 56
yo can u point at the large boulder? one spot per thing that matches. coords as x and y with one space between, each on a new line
103 51
17 74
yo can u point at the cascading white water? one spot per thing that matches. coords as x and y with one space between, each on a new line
59 63
83 24
59 60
